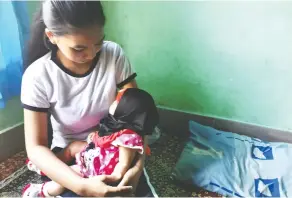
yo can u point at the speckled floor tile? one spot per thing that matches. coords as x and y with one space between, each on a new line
12 164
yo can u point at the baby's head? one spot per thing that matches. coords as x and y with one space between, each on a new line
133 109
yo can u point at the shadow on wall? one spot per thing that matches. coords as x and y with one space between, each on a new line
10 81
14 17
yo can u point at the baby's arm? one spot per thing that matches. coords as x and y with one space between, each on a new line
69 152
126 157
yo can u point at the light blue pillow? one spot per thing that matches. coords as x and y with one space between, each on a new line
235 165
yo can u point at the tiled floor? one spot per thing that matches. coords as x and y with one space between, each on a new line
12 164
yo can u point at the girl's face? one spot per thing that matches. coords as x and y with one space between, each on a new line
80 47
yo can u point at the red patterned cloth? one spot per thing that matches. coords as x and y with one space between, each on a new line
102 155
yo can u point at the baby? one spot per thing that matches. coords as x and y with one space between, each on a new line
112 149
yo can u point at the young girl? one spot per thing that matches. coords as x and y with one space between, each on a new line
72 76
113 148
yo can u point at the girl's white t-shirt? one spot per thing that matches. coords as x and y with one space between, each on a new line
76 102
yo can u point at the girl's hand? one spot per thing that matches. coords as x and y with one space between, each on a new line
98 187
90 137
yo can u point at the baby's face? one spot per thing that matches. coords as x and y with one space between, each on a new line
113 107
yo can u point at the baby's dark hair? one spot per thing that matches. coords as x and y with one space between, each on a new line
60 17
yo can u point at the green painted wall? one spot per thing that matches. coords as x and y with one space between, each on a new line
224 59
13 114
32 7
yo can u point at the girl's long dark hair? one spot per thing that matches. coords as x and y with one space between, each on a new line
60 17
